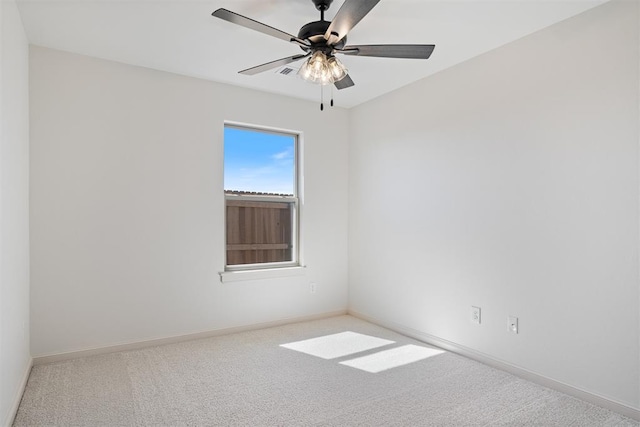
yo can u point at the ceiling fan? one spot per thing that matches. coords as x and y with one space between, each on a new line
321 40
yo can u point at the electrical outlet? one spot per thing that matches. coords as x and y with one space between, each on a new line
512 324
475 314
312 288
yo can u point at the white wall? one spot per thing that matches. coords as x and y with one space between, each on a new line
127 205
510 182
15 359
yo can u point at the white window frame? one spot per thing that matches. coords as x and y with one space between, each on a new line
293 200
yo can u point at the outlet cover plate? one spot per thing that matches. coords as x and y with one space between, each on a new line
512 324
475 315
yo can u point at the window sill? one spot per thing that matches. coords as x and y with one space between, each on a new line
267 273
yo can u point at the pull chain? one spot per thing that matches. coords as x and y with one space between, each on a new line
332 96
321 98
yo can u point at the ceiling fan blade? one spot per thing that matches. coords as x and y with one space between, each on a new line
411 51
252 24
351 12
271 65
344 82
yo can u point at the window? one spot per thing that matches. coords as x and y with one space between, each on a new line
261 198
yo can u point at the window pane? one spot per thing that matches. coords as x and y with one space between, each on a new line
256 161
261 200
259 232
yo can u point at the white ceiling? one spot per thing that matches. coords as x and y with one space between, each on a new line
181 36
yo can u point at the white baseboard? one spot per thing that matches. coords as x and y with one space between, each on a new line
596 399
13 411
52 358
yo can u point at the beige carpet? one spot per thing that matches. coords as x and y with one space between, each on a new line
323 376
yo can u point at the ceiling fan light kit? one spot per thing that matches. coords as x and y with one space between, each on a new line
322 70
321 40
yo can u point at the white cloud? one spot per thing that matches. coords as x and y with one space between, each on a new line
283 155
276 176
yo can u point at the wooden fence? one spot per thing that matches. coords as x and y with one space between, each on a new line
258 232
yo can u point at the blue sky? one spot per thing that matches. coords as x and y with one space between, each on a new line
258 161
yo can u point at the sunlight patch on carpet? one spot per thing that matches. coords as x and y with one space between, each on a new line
337 345
392 358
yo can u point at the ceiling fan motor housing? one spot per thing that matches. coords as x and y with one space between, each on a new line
314 32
